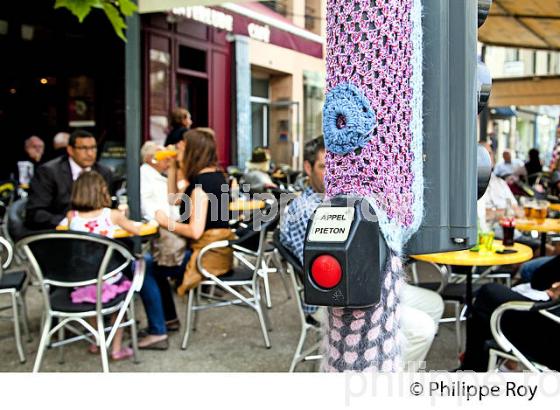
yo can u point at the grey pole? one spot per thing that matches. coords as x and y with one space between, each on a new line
133 120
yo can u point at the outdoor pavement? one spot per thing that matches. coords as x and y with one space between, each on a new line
226 340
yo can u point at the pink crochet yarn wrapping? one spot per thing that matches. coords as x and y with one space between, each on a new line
374 69
369 45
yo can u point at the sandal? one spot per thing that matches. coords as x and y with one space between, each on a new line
93 349
161 344
173 325
124 353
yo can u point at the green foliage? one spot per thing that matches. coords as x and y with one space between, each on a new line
115 10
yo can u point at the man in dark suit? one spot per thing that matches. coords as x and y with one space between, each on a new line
51 187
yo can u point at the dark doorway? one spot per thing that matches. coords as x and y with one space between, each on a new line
192 93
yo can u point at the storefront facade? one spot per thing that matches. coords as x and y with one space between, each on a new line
242 70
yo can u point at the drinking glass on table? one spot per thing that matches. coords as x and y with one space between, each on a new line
539 211
486 240
527 204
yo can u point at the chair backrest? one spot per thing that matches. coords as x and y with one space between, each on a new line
16 219
287 255
252 237
69 259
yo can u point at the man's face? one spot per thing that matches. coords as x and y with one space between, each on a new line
84 153
160 165
506 156
316 173
35 149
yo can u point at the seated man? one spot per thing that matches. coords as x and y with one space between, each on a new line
510 167
421 308
532 333
51 186
493 204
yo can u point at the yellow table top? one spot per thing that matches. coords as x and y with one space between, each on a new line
554 207
469 258
549 225
146 229
244 205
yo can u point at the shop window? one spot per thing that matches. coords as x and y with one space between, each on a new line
260 107
260 87
313 98
192 59
159 94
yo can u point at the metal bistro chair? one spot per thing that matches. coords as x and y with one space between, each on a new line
243 283
270 262
65 260
296 274
14 284
505 349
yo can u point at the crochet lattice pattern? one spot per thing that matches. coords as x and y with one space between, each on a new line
370 46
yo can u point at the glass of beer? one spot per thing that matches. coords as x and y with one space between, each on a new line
539 211
164 154
527 205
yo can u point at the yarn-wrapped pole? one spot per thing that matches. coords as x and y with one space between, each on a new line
372 122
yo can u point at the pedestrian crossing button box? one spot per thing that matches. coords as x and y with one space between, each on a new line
344 254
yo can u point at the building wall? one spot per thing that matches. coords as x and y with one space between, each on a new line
287 68
533 126
515 62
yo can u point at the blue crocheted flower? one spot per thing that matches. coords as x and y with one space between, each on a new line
348 119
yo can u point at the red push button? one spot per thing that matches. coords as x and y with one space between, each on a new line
326 271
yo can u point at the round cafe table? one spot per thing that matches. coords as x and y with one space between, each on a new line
554 207
475 259
242 205
549 225
443 261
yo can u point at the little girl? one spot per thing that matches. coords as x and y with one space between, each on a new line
90 212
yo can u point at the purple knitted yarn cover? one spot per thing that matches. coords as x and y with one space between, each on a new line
372 122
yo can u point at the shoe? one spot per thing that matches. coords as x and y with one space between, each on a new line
93 349
123 354
508 366
173 325
161 344
310 320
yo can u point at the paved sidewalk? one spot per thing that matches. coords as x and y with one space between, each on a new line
227 340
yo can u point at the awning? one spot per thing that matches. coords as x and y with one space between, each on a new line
523 23
525 91
502 112
154 6
256 21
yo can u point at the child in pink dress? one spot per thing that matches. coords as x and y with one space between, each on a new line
90 212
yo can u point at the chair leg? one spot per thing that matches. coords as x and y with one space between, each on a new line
260 313
189 319
458 327
61 348
492 361
296 359
43 343
264 311
282 271
267 289
24 316
17 330
198 303
102 344
133 331
263 326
